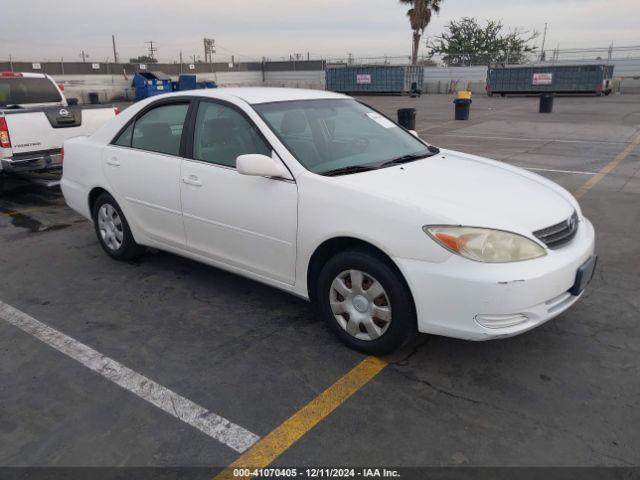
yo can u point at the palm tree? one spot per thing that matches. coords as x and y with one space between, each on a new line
419 17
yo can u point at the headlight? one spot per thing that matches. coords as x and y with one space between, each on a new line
485 245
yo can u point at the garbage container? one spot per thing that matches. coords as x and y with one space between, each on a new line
407 118
94 98
462 107
546 103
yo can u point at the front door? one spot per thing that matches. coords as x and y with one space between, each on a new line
246 222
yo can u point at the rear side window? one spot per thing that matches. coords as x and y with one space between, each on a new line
222 134
22 91
159 130
124 139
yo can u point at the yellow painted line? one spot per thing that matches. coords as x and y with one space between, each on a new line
291 430
608 168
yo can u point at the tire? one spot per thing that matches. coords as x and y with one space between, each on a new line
113 231
353 319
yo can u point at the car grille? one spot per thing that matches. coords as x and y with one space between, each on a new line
560 234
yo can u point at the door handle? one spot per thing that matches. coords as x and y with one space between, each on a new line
192 180
114 162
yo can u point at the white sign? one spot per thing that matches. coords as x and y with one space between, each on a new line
542 78
192 66
142 66
95 66
363 78
36 66
230 64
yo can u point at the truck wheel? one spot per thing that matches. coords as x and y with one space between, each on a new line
365 302
113 231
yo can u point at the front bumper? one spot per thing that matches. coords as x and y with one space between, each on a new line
40 161
459 297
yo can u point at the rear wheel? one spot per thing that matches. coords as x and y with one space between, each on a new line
112 229
366 302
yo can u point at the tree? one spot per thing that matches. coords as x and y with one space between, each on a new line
419 17
466 42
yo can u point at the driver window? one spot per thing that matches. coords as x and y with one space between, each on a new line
222 133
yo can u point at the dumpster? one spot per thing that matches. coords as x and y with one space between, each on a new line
591 78
148 84
186 82
375 79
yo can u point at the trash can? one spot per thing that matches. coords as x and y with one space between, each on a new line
407 118
462 107
546 103
94 99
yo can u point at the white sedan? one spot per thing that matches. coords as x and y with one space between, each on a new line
317 194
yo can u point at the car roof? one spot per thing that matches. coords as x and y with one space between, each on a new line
254 95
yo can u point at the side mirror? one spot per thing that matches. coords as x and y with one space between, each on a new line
259 165
414 133
72 101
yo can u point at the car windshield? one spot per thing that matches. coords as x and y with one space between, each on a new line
340 135
21 91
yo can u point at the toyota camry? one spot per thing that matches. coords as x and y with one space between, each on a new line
320 195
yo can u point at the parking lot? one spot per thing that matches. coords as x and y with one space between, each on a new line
564 394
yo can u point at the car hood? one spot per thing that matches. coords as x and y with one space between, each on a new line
460 189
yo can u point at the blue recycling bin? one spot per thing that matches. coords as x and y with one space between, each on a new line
186 82
148 84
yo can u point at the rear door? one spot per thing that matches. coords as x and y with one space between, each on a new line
142 166
243 221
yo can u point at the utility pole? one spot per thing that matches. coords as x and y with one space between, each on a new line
544 39
152 49
180 62
84 56
115 52
209 49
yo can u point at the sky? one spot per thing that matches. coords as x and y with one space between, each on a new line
250 29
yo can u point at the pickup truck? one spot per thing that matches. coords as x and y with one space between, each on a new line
36 119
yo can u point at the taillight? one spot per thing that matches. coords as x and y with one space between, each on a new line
62 154
5 140
117 110
61 87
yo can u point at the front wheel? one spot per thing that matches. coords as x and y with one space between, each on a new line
112 229
366 302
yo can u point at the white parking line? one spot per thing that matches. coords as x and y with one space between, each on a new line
182 408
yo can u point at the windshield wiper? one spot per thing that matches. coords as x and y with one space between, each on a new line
410 157
347 170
